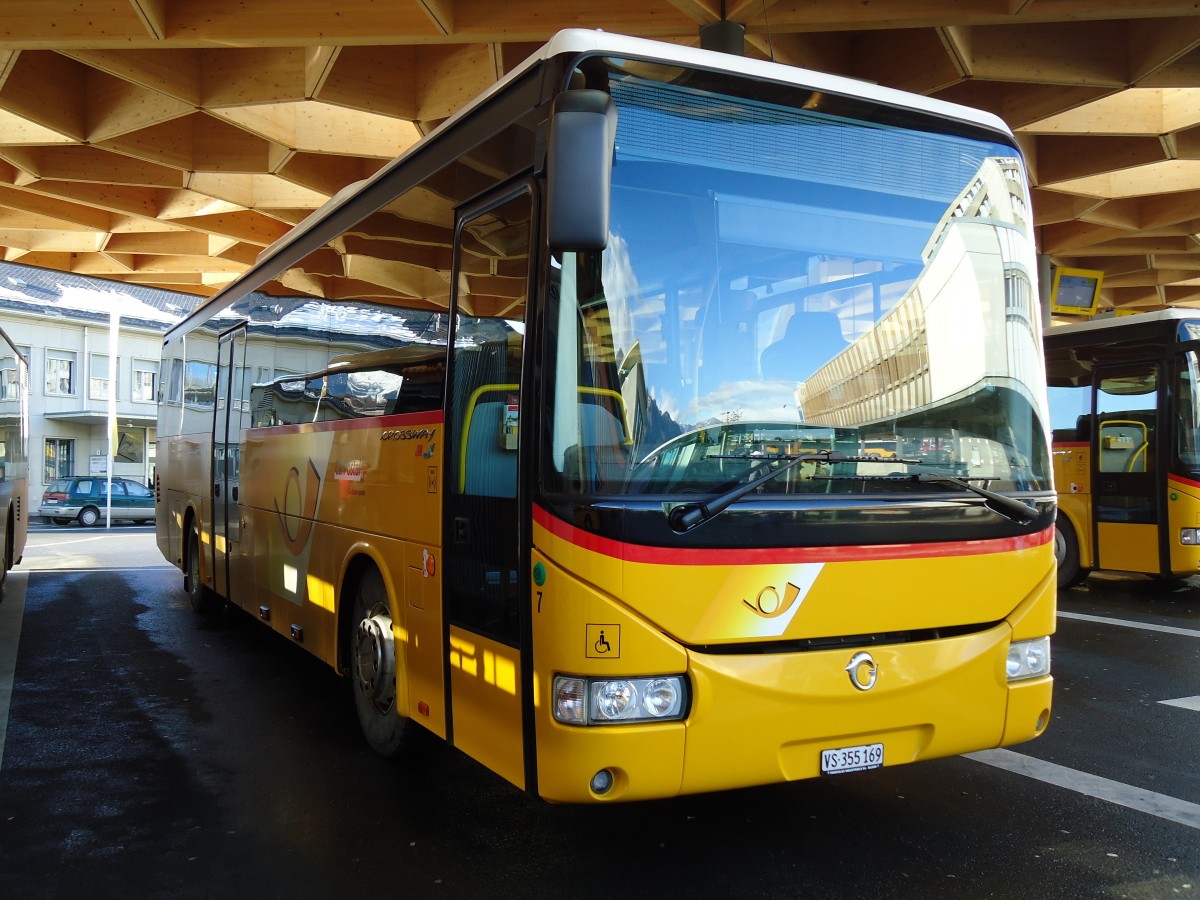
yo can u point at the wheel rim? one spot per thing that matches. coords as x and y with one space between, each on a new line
375 660
1060 547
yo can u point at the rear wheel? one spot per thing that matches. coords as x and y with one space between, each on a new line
203 600
89 516
373 666
1066 553
60 520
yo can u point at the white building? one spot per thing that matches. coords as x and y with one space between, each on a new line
61 324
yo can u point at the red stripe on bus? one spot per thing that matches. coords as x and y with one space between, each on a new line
1057 444
674 556
400 420
1188 481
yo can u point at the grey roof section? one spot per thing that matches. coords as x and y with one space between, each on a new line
62 295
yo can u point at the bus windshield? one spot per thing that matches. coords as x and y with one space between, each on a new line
790 273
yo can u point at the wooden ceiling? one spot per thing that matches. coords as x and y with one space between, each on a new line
167 142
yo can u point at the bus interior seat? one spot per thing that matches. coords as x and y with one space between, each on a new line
489 469
1083 428
809 341
600 458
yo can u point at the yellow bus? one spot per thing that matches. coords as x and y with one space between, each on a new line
548 434
1124 397
14 454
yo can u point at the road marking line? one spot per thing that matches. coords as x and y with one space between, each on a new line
1192 703
1126 623
1170 808
12 610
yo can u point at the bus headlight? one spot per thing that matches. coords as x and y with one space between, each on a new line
1028 659
611 700
1189 535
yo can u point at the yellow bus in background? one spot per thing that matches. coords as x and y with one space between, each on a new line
1125 412
549 435
14 454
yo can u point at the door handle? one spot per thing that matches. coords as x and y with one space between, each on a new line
216 489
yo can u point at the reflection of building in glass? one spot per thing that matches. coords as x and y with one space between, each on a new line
939 339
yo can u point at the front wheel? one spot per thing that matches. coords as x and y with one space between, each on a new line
373 666
1066 554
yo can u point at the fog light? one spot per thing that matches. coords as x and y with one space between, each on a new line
1028 659
602 782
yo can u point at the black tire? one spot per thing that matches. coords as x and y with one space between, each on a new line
373 666
59 520
9 545
203 600
89 516
1066 554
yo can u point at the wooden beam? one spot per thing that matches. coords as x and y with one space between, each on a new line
447 77
79 214
374 79
255 191
441 14
827 52
319 127
48 89
1068 236
912 60
93 165
1156 44
175 73
153 15
117 107
239 76
1065 158
1021 105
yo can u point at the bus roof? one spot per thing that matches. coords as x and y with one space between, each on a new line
1099 326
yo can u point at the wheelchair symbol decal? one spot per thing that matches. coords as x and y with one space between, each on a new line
603 641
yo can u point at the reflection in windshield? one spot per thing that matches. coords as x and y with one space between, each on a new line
798 281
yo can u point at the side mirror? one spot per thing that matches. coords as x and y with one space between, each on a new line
583 135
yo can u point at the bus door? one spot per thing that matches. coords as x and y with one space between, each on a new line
226 456
482 571
1125 447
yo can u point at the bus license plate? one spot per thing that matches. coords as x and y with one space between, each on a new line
851 759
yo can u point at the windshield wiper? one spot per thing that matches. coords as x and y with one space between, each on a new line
1011 508
686 516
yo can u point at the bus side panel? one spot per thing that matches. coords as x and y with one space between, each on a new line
1128 548
183 466
1073 478
485 679
1183 511
312 498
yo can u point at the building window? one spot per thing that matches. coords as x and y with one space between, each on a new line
101 377
60 372
131 445
145 379
60 459
10 379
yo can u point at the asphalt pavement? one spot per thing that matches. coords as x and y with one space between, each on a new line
148 752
